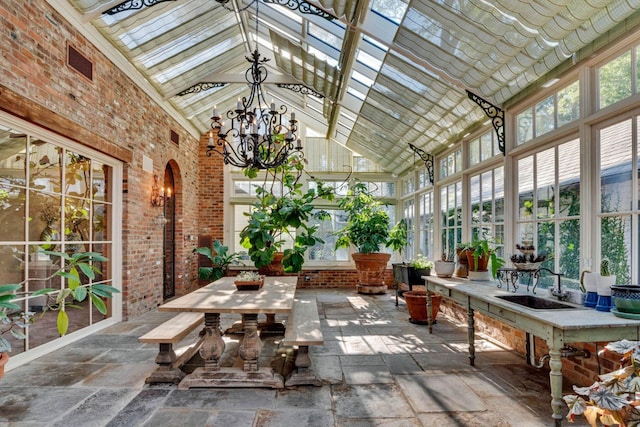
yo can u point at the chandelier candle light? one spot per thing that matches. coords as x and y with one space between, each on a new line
259 135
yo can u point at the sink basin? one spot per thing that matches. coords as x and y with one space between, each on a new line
537 303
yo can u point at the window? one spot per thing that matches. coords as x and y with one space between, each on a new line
409 215
53 197
451 164
615 80
451 217
487 205
619 209
327 231
549 207
554 111
483 148
425 232
408 185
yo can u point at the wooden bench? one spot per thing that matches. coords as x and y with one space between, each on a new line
303 330
167 335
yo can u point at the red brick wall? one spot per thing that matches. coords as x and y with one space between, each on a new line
110 114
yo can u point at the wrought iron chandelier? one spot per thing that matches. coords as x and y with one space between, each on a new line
259 135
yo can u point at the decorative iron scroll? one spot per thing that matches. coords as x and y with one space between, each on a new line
200 87
495 114
132 5
427 158
305 90
303 7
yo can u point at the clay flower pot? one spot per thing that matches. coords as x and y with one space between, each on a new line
417 306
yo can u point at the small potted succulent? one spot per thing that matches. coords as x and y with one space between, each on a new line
249 281
605 281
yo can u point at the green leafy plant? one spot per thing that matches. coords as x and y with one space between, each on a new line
74 267
421 262
486 248
604 268
368 225
613 400
220 258
248 276
283 208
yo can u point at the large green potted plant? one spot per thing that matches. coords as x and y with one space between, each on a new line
368 228
283 208
75 267
481 254
220 259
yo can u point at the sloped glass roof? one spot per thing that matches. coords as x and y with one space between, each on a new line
387 72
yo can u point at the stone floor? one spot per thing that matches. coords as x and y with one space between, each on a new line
377 368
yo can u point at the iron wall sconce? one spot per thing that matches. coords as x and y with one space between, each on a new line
157 194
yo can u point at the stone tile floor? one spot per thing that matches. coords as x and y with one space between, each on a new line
377 368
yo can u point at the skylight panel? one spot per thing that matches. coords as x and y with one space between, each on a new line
323 35
359 77
368 60
323 56
392 10
376 43
286 12
351 91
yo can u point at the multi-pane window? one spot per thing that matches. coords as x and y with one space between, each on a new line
408 185
425 224
616 79
409 215
451 164
548 114
483 148
619 210
451 217
327 231
549 206
52 198
487 205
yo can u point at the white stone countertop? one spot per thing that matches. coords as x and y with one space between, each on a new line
577 318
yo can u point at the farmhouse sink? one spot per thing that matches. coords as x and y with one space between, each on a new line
536 303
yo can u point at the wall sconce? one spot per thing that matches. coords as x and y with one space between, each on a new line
157 194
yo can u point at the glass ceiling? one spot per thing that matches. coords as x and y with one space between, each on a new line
387 72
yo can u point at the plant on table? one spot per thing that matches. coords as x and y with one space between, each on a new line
421 262
220 258
248 276
485 248
614 399
283 209
75 266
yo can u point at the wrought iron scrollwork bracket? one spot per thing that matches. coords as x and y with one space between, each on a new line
496 115
299 88
304 8
426 158
132 5
200 87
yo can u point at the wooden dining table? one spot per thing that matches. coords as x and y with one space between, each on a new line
275 297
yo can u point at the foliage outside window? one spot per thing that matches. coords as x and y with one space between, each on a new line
487 206
556 110
549 207
409 215
52 198
425 225
483 148
451 217
615 79
618 202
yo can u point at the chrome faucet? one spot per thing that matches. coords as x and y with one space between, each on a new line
557 290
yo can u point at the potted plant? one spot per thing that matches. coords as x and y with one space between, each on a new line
446 265
368 228
410 273
249 281
614 399
604 282
481 254
75 266
589 286
220 259
282 209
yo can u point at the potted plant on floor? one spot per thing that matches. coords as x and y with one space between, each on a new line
220 259
368 228
13 319
283 209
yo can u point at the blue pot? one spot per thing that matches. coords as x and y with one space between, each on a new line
591 300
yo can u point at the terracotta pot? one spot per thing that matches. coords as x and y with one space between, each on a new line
417 306
371 268
483 262
275 268
4 358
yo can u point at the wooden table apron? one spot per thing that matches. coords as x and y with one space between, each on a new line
556 327
221 296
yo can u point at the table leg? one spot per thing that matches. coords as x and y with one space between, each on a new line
555 379
251 345
429 313
471 336
213 344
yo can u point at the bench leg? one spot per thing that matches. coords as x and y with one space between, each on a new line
165 373
303 374
251 345
213 344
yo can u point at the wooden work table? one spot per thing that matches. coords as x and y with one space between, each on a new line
221 296
556 326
